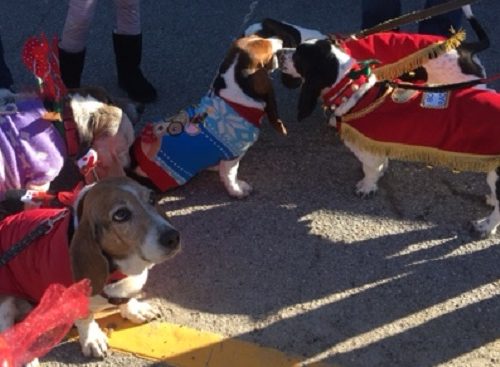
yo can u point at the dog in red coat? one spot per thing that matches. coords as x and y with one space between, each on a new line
377 121
117 233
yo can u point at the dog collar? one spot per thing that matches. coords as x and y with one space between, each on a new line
113 277
345 94
70 131
65 123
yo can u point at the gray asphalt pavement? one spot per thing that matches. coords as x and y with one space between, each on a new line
302 265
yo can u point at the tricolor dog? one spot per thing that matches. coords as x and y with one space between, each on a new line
456 65
220 128
36 143
377 120
116 234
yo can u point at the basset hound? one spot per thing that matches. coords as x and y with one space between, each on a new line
377 120
115 235
457 65
220 128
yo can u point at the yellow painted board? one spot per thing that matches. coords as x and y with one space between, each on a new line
182 346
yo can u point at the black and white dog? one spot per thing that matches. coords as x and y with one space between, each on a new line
365 111
454 66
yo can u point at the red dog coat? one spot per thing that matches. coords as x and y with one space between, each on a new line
45 261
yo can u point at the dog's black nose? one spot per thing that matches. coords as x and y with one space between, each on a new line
170 238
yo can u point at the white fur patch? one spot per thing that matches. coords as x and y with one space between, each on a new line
234 93
127 287
84 105
345 62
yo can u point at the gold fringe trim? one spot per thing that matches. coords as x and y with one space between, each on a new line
433 156
416 59
365 111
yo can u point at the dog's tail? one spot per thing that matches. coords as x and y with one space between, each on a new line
483 41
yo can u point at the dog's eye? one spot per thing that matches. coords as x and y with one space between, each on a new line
122 215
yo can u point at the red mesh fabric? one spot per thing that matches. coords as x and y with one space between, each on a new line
46 325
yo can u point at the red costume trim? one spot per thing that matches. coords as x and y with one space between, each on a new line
251 114
160 177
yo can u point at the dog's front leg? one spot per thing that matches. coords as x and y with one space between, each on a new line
228 172
374 167
488 226
93 340
491 179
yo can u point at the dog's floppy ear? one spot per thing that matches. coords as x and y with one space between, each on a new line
322 75
288 34
87 258
308 98
290 82
262 85
106 121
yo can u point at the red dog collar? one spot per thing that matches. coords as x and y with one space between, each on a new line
251 114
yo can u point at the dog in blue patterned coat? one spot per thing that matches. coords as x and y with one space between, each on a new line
220 128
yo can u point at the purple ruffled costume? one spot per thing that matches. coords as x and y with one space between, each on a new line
32 151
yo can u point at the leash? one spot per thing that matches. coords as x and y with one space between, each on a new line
444 87
43 228
414 17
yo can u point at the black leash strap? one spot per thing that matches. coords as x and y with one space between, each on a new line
443 87
415 16
43 228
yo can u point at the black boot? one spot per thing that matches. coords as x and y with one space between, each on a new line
71 65
128 51
6 80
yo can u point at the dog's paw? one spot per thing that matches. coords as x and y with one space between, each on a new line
491 200
484 228
138 312
34 363
365 190
94 342
240 189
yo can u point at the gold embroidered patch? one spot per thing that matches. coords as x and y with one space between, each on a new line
403 95
437 100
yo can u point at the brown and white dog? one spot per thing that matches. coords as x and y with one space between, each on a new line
455 128
115 236
220 128
454 66
35 146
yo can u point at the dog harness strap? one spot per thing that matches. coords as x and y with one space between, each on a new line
70 132
42 229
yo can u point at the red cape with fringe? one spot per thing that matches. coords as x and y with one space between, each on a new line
467 128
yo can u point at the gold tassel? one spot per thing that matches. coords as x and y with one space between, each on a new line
433 156
416 59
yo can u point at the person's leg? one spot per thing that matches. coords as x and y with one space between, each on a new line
127 42
374 12
73 40
6 80
440 24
